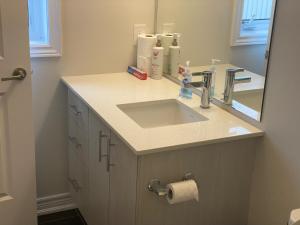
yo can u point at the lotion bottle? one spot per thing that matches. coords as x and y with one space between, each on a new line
157 60
174 63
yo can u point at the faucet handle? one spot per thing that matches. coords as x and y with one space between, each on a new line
207 73
204 73
233 71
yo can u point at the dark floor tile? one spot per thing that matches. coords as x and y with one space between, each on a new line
81 217
61 217
69 221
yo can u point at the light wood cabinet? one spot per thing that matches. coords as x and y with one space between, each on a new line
123 183
112 178
111 181
98 174
78 151
102 169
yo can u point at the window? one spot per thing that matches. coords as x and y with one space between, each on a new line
251 22
44 28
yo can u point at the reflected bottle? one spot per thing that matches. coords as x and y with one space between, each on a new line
174 58
186 90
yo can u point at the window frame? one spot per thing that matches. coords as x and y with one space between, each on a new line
236 38
54 47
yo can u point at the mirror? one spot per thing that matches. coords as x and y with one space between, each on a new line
220 35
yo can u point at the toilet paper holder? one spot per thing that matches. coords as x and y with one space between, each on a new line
161 190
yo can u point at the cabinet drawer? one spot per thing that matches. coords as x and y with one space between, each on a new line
77 171
78 112
78 180
78 141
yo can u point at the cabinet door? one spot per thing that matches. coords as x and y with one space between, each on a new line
123 178
98 174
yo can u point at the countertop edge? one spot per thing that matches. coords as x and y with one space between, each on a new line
144 152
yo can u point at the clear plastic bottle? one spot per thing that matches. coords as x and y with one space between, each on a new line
186 91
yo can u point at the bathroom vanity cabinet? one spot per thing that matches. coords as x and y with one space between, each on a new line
102 169
108 180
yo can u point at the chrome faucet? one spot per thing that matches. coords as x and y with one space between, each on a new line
230 81
206 87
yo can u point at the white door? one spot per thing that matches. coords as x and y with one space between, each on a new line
17 162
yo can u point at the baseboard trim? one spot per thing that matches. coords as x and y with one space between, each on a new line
55 203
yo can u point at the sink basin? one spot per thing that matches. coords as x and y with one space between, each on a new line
252 100
161 113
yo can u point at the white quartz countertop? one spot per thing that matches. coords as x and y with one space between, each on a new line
102 93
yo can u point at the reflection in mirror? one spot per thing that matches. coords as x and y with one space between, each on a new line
2 161
221 35
1 38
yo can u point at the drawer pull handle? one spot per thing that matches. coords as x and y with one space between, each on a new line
109 164
101 136
75 141
75 110
74 184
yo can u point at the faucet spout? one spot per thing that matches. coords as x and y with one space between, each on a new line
206 88
230 81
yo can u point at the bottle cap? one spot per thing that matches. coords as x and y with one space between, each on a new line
187 67
158 42
215 61
175 39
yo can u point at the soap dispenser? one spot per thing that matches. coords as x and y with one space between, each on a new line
213 69
157 60
186 90
174 58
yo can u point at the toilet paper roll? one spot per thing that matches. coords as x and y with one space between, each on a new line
295 217
146 42
182 192
144 64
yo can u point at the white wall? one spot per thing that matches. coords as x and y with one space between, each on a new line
276 181
98 38
250 57
205 27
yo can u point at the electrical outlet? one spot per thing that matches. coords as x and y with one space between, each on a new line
168 28
137 30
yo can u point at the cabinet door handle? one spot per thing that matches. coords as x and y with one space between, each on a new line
75 110
109 145
101 136
75 142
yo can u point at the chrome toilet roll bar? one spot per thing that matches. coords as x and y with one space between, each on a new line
161 190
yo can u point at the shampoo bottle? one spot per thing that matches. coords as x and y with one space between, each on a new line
186 91
213 69
157 60
174 57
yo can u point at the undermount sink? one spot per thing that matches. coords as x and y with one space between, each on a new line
161 113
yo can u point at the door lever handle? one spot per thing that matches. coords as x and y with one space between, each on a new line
18 74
